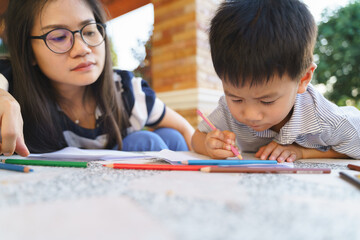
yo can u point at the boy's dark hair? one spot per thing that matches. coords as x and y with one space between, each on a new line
253 40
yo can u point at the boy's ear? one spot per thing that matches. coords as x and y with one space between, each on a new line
305 80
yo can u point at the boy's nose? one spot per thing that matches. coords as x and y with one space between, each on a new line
251 114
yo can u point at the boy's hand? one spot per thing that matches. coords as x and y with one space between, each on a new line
217 144
11 125
281 153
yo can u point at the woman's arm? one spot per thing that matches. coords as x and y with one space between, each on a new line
174 120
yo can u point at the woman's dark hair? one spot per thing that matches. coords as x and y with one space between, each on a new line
36 95
253 40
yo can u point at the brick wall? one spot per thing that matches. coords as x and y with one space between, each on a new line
181 58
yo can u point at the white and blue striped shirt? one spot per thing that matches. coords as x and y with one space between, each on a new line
315 123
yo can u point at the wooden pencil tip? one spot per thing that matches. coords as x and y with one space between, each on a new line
185 162
109 165
205 169
240 157
27 169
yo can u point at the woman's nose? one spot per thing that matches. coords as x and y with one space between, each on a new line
80 48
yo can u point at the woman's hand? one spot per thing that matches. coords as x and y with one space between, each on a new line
11 126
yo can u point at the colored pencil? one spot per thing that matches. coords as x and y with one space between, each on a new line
265 170
46 163
354 167
17 168
163 167
227 162
350 178
233 149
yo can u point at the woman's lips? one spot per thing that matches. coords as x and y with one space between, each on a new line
83 66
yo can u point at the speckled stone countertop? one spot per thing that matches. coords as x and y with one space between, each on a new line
103 203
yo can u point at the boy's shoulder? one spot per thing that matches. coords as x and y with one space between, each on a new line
312 101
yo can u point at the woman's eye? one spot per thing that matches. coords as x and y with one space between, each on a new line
58 38
89 33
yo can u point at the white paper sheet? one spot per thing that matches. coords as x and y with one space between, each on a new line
89 154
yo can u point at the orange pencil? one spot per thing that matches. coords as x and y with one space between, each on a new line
163 167
233 149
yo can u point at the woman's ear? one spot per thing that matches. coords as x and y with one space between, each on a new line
305 80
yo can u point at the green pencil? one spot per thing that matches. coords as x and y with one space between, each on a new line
46 163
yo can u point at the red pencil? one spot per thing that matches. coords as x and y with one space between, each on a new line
163 167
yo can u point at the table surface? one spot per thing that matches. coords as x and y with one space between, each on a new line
99 202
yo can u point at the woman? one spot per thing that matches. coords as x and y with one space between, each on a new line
63 81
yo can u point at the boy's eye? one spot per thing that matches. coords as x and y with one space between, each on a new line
267 103
236 100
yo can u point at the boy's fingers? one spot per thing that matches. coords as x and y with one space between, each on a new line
277 151
259 152
214 143
283 156
268 149
229 136
216 134
291 158
221 154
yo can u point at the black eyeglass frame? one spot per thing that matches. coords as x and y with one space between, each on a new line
44 36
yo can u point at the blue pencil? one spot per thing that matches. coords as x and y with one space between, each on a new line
227 162
13 167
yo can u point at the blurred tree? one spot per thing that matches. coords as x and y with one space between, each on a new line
114 57
144 68
337 53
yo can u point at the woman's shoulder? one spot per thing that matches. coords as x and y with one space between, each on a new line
128 81
123 75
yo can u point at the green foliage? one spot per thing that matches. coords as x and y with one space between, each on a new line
114 57
337 53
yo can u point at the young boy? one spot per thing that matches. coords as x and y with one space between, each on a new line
263 52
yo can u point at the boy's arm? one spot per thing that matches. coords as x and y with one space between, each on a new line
198 142
292 152
314 153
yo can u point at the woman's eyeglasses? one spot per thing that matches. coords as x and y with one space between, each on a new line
61 40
